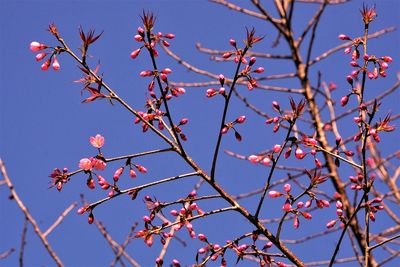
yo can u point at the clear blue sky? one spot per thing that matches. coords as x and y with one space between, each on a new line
43 125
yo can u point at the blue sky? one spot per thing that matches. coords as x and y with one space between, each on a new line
43 125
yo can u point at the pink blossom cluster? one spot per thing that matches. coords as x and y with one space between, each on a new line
52 60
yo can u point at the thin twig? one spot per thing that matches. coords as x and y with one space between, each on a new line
23 208
60 218
23 243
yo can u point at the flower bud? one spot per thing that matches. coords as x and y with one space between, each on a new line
169 35
344 100
274 194
331 224
343 37
135 53
241 119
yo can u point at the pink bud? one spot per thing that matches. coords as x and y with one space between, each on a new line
169 35
118 173
166 71
90 218
174 212
344 100
276 106
349 79
210 92
232 42
56 64
266 161
164 77
331 224
287 188
138 37
202 250
146 219
299 154
357 137
296 222
111 193
146 73
140 30
40 56
252 61
224 130
141 168
134 55
349 153
387 59
354 64
227 55
241 119
259 70
347 50
384 65
306 215
176 263
371 75
202 237
300 205
82 210
45 66
274 194
183 121
343 37
36 46
277 148
254 159
132 173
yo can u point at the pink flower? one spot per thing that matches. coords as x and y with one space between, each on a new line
97 141
98 164
85 164
36 46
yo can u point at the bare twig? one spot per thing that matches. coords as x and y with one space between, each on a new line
29 217
60 218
